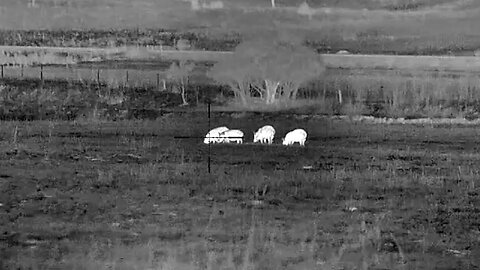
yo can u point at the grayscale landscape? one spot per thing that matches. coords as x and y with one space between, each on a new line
105 107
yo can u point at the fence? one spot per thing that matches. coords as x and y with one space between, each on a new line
140 75
112 77
153 74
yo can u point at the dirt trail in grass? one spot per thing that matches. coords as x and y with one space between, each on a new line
93 192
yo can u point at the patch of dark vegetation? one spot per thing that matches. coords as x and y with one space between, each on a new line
374 42
369 41
33 99
403 158
116 37
72 100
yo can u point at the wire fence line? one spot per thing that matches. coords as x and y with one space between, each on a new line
113 77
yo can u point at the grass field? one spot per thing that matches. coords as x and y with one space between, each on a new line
390 27
127 195
116 188
68 93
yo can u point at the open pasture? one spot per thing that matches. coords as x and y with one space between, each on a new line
127 195
146 71
369 27
72 56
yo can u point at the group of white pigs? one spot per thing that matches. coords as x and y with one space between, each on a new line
263 135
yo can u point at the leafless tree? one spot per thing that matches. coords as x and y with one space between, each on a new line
274 69
179 73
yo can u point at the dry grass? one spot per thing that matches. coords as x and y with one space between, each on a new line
404 62
30 55
419 95
258 105
363 92
382 94
264 249
429 27
413 190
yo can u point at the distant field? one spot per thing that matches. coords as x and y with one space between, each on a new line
107 13
359 61
429 27
352 61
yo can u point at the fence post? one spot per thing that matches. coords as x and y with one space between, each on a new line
41 72
196 93
2 71
209 161
158 81
98 76
127 76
